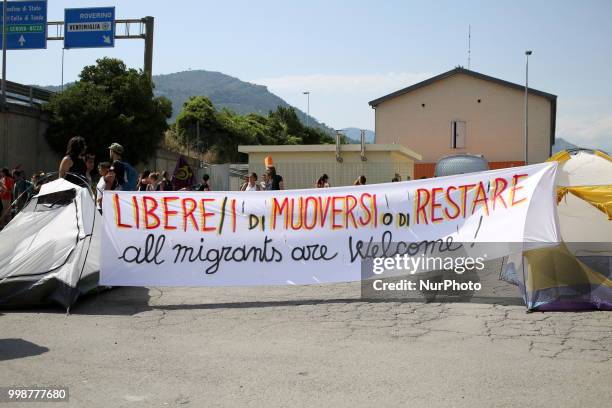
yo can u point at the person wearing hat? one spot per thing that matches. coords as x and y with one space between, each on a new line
116 156
126 176
276 180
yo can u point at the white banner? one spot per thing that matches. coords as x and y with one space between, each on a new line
311 236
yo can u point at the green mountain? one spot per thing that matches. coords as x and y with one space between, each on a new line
354 135
223 90
562 144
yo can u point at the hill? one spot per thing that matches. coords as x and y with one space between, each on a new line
223 90
354 134
562 144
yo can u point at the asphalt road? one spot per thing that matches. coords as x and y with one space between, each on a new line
305 347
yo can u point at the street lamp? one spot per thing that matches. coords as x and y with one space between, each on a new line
527 54
307 93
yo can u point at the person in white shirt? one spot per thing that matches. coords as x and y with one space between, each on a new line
103 183
252 184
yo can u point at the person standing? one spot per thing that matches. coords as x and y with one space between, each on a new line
103 169
22 191
37 181
252 184
6 195
153 182
276 180
2 191
265 183
205 186
361 181
245 182
125 174
143 181
90 164
73 167
166 184
323 181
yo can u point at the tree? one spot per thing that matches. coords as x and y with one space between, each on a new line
198 112
110 103
221 132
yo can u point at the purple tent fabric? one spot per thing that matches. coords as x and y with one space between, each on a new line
183 176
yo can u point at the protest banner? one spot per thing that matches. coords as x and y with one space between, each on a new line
187 238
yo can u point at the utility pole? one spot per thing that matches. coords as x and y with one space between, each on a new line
4 54
307 93
527 54
148 49
469 44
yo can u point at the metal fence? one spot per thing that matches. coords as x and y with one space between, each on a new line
26 94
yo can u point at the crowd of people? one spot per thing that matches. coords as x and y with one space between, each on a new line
15 191
271 180
78 167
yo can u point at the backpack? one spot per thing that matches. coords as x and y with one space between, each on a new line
130 177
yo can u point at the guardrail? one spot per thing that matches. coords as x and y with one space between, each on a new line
27 94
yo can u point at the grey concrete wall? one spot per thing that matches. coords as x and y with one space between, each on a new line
22 140
23 143
165 160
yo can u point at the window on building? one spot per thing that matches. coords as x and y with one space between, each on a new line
458 134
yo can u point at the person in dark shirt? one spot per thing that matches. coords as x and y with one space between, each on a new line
143 181
166 184
73 167
323 181
23 189
205 186
361 181
276 180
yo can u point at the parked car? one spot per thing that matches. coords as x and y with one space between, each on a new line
460 164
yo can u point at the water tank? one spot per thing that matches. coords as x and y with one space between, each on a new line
460 164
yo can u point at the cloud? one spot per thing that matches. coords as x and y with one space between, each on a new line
594 130
340 100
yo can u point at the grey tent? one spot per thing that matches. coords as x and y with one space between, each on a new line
50 251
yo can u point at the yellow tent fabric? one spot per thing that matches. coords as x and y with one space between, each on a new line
598 196
557 267
564 156
602 154
560 157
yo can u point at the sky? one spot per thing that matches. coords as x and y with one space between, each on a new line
347 53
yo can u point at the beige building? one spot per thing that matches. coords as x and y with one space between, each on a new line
302 165
462 111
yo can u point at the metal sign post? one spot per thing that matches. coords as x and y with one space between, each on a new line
125 29
26 25
89 27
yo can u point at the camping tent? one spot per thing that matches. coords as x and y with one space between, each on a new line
577 274
50 251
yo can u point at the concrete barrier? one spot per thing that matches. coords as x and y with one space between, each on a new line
22 140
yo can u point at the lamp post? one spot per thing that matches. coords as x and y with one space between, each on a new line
527 54
307 93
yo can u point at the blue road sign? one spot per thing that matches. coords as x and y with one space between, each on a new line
26 25
89 27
